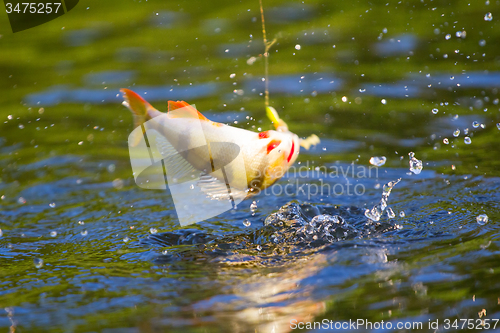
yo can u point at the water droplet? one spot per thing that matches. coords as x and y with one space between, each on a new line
164 252
251 60
435 111
466 131
153 231
52 205
448 36
38 262
21 200
191 187
445 141
467 140
297 47
488 17
383 101
482 42
126 239
253 206
456 133
1 233
453 167
117 183
415 164
84 233
232 76
21 126
344 99
402 213
53 233
247 223
475 124
378 161
482 219
81 222
498 126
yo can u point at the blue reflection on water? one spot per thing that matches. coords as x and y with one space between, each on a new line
64 94
297 84
399 45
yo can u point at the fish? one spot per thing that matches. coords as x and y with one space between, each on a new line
266 155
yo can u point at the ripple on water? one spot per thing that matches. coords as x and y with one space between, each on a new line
305 84
66 94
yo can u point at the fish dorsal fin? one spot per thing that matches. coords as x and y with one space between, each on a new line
181 109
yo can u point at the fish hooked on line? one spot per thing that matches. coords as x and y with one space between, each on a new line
266 156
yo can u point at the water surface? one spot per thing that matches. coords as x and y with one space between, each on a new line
83 249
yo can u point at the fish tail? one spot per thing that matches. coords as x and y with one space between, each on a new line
139 108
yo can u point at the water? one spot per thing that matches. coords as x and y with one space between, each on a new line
376 212
83 249
415 164
378 161
482 219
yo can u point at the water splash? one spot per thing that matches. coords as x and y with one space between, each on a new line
253 207
415 164
376 212
390 213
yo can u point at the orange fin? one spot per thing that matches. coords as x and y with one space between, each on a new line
139 108
190 111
